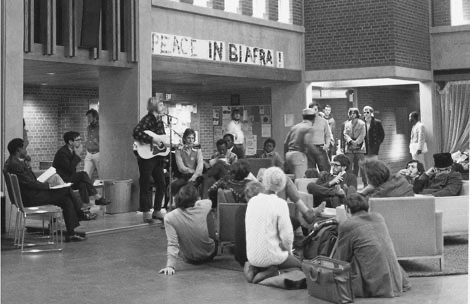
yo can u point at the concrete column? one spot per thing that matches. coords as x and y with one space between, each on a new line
428 118
286 99
123 99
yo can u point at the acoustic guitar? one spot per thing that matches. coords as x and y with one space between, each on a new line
147 151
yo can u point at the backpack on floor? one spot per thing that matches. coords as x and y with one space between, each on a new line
321 240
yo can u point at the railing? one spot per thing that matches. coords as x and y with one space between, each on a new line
95 25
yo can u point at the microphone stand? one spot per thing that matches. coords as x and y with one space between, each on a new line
170 168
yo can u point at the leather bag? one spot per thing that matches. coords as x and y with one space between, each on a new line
329 279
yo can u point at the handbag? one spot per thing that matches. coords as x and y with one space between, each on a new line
329 279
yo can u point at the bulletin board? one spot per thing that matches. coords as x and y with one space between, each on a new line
257 124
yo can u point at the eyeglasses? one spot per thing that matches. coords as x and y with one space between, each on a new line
336 164
366 112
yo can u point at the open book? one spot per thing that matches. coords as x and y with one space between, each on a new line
214 160
46 175
61 186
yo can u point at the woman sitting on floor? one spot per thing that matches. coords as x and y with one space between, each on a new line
190 227
235 182
269 232
380 183
364 241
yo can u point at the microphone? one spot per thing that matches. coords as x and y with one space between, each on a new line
171 116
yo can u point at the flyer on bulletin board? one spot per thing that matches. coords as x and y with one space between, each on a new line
266 130
288 120
251 144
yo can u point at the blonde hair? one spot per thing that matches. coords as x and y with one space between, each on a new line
153 102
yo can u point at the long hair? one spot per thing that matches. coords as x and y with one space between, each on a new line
188 132
376 171
152 103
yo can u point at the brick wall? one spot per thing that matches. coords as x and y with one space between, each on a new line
466 10
218 4
366 33
246 7
272 9
393 106
205 103
441 12
48 113
411 32
297 12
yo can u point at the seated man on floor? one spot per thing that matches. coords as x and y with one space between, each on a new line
34 193
329 187
439 180
65 162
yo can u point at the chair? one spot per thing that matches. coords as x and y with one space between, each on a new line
7 177
226 210
51 213
414 226
302 183
258 163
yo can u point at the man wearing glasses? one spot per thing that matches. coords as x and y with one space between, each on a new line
65 162
439 180
330 187
374 135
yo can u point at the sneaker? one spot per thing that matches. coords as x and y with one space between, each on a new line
147 216
102 201
157 215
75 238
88 216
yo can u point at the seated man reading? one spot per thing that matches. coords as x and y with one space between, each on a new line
65 162
439 180
329 187
35 193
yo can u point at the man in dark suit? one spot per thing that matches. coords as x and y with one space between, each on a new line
34 193
232 147
374 136
65 162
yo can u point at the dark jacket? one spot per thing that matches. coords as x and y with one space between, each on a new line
396 186
374 137
30 187
442 185
65 163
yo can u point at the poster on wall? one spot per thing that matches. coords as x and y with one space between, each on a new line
251 144
288 120
266 130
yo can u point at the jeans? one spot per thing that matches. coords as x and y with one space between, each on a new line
152 167
354 159
296 163
319 158
82 182
91 162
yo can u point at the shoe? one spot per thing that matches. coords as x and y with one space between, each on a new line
74 238
309 216
88 216
271 271
147 217
102 202
157 215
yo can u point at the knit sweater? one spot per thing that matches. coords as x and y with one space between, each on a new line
269 234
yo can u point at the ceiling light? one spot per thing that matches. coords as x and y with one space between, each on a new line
44 83
50 73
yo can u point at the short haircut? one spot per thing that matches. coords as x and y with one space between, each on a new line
186 197
229 135
27 158
70 135
414 115
327 106
188 132
356 202
235 111
314 104
377 171
343 160
240 170
14 145
93 113
368 108
221 142
274 179
354 110
419 165
269 140
153 102
253 188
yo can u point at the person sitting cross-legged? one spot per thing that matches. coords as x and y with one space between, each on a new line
269 231
65 162
190 230
330 187
35 193
439 180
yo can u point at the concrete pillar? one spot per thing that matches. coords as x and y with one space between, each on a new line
123 100
286 99
11 82
428 118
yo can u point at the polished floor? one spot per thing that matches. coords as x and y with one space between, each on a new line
122 267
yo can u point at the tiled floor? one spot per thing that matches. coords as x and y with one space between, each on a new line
122 267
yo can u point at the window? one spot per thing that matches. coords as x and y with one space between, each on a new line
285 11
232 6
259 9
459 12
203 3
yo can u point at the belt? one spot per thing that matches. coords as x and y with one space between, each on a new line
319 146
93 152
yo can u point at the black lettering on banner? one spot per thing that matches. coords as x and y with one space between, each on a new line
218 50
176 45
262 59
255 54
154 42
210 49
184 46
164 45
248 54
269 57
193 53
280 59
240 57
232 52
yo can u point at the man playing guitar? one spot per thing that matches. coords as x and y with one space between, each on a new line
153 166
